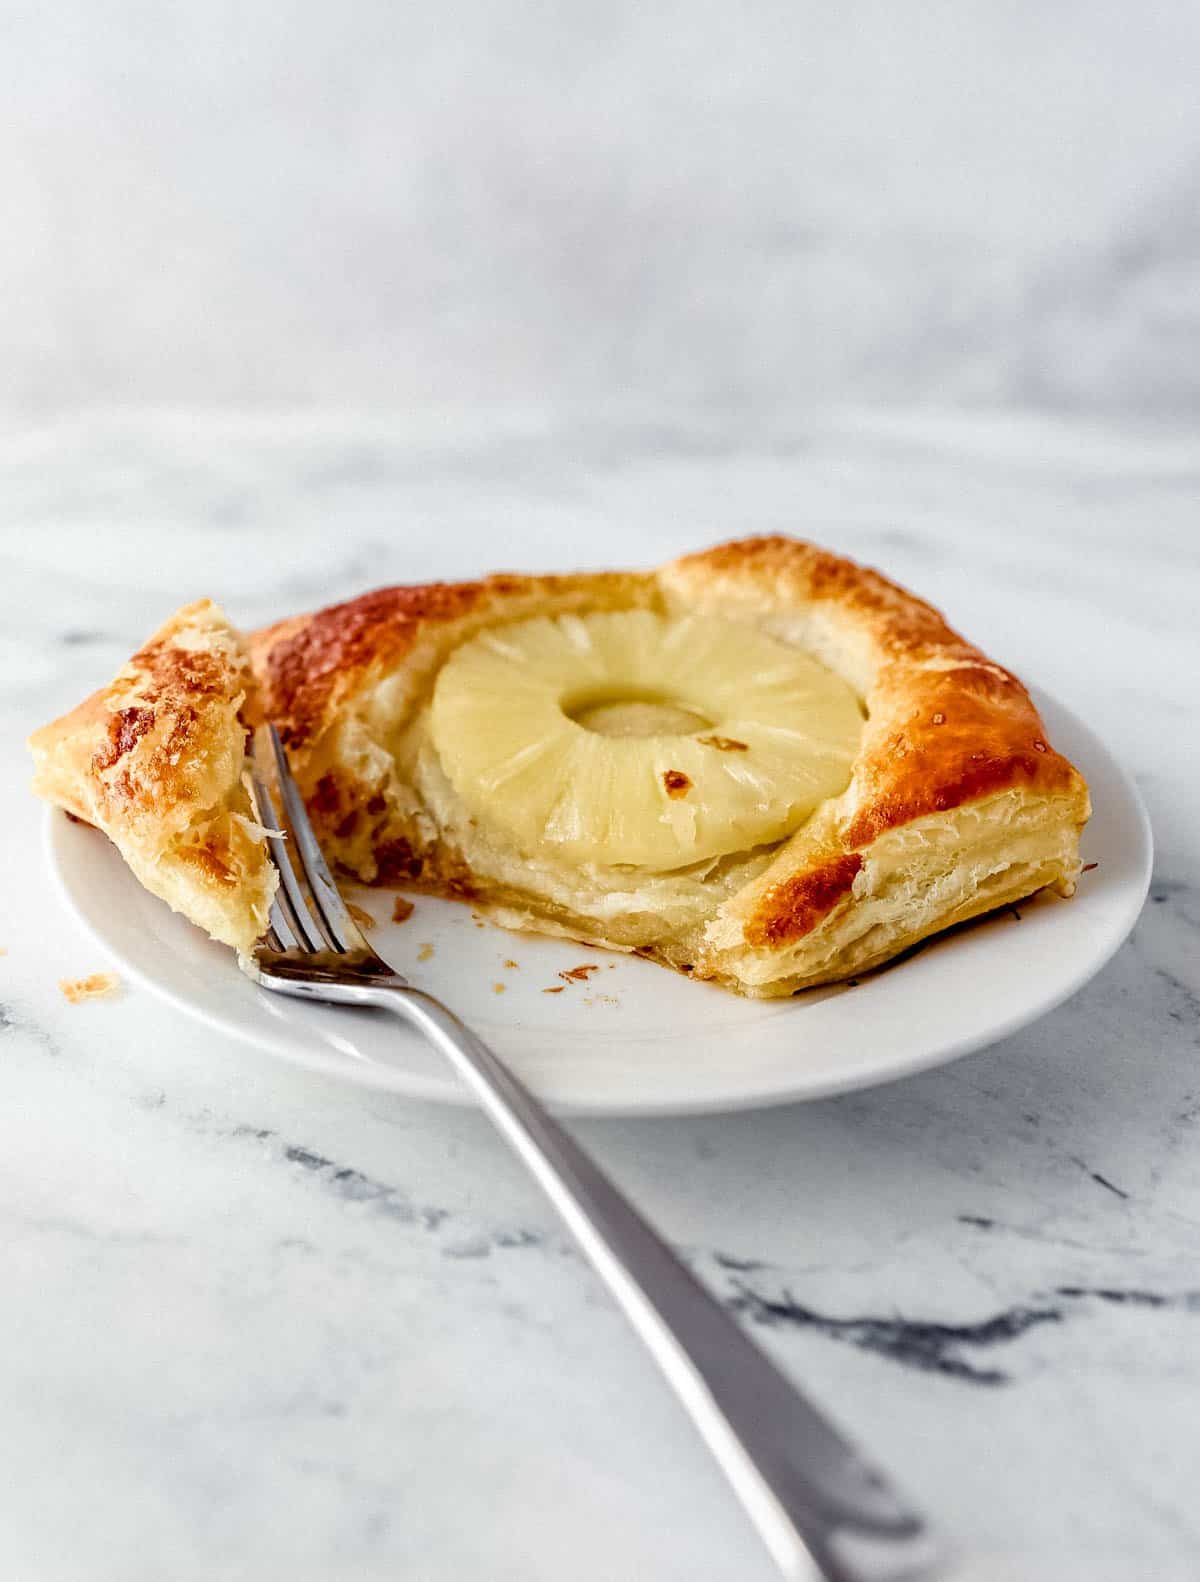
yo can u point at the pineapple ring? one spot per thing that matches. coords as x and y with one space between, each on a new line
553 729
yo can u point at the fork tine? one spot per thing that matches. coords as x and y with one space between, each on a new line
289 910
343 932
279 935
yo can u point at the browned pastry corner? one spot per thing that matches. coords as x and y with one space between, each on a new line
155 760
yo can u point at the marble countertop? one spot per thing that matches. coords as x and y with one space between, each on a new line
256 1324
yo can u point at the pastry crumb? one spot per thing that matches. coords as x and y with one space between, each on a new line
402 909
96 986
1087 868
362 917
676 783
512 964
426 952
499 988
580 974
557 989
724 744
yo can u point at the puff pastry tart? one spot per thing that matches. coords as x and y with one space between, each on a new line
762 765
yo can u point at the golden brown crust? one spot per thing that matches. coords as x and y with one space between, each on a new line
132 747
793 573
794 906
155 760
307 663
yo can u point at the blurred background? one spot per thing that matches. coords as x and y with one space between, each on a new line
601 206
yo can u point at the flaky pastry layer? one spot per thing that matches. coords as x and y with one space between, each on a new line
155 760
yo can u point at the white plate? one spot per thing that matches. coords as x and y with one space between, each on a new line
635 1039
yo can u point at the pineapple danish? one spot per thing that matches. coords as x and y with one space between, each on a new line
762 764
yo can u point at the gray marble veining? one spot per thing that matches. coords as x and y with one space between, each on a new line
256 1324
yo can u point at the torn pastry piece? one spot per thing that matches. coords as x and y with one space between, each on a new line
761 765
156 760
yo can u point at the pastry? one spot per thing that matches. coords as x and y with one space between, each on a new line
762 764
156 761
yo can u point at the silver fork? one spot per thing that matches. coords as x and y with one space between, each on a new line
822 1509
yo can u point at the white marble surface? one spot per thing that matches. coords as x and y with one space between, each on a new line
256 1325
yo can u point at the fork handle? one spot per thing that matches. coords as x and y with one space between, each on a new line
822 1510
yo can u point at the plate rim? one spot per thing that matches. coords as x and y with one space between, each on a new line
434 1087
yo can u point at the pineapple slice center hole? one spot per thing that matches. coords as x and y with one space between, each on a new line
636 714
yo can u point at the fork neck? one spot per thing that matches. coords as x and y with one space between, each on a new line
349 977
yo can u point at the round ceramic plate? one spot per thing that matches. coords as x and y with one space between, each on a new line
625 1037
